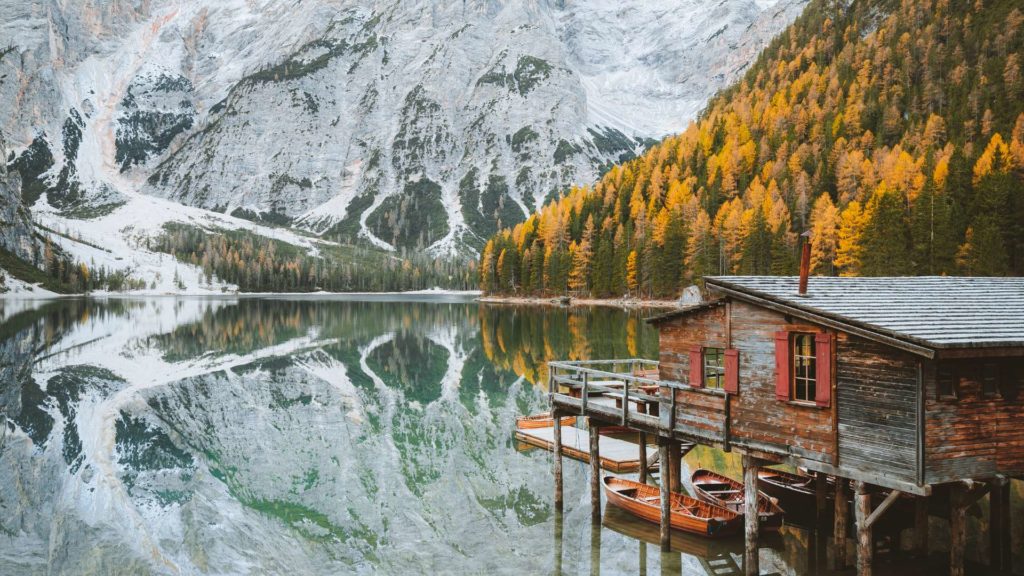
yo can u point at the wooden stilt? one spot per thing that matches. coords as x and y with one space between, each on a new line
559 521
865 546
595 472
595 550
999 525
751 560
666 501
675 464
839 519
643 557
921 526
821 497
642 441
957 529
557 450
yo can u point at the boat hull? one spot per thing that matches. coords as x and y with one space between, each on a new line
644 501
705 483
543 420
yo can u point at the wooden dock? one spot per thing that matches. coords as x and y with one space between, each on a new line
617 455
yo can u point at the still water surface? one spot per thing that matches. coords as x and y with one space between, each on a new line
312 436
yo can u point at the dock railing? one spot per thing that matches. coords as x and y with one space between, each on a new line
625 380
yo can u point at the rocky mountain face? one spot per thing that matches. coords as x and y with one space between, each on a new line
15 221
408 125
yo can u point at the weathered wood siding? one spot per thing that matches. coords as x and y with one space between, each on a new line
758 420
704 412
973 435
877 408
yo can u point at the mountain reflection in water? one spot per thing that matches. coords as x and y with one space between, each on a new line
308 436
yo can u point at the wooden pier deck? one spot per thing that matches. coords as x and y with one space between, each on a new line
617 455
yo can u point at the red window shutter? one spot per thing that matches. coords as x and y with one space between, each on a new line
782 366
823 372
696 367
732 371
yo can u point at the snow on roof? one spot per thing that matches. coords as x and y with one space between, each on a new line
935 311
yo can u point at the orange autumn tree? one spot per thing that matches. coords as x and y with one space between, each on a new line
893 131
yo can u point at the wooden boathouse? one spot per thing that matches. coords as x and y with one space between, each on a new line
914 385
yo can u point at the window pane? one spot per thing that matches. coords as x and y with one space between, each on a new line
714 362
803 367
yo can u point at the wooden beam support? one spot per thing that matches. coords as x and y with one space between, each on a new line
751 517
839 518
642 442
557 462
666 499
675 466
957 529
595 472
1001 555
865 546
820 497
885 505
921 526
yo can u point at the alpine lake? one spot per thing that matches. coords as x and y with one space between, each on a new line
325 435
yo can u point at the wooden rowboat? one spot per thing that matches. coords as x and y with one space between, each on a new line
542 420
723 491
794 492
687 514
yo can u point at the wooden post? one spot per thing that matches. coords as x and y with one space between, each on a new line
643 557
865 546
557 415
921 526
595 472
559 521
821 497
666 501
957 529
999 525
839 525
642 441
751 517
595 549
675 464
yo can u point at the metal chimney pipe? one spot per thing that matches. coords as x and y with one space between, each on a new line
805 263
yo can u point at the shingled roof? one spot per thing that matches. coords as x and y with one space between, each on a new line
933 311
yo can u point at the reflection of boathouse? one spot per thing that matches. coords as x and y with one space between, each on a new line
912 385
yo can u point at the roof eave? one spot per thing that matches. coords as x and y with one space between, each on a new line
680 312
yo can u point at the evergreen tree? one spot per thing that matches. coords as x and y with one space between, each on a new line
886 236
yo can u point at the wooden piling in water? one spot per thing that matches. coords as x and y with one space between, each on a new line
557 462
839 525
957 529
1001 554
921 526
595 472
820 497
865 545
751 520
642 441
666 499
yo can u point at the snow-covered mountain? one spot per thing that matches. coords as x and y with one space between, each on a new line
406 124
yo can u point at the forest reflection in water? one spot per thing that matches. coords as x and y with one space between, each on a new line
225 436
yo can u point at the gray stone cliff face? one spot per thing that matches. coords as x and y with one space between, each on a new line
409 125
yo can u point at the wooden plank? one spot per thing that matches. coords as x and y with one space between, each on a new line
885 505
615 455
